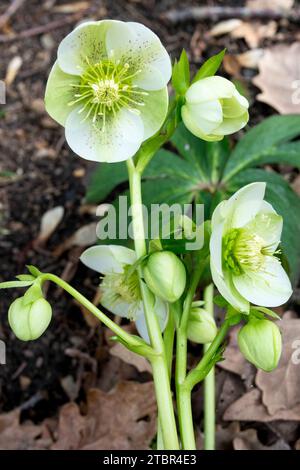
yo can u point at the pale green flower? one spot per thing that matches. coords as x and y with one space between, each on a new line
165 275
260 342
108 88
29 320
214 108
201 327
246 232
120 290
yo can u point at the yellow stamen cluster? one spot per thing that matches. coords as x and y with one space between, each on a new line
105 88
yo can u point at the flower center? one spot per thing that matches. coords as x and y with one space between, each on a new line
105 88
122 287
243 250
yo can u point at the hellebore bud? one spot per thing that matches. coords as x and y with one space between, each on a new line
201 326
165 275
29 321
260 342
214 108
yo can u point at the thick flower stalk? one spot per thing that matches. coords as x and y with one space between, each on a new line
214 108
244 261
108 88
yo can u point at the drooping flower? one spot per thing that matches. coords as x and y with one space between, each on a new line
201 326
108 88
214 108
29 320
245 267
120 289
260 342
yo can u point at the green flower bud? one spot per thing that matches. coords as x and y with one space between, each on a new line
201 326
165 275
29 322
260 342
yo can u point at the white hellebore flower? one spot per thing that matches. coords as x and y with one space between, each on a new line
108 88
246 232
214 108
120 290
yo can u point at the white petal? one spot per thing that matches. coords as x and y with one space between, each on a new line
154 112
228 291
210 88
269 288
245 204
229 126
84 44
161 310
120 140
142 50
215 247
107 259
267 224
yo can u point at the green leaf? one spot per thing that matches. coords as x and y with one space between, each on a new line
286 154
12 284
286 202
33 270
210 66
261 142
33 293
104 180
25 277
181 74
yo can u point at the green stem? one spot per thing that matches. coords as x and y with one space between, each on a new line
183 393
209 384
126 337
159 362
200 372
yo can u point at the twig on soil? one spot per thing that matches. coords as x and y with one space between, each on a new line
219 12
11 10
37 30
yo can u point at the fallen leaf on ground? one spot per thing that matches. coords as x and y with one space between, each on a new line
139 362
50 220
85 236
251 408
72 7
12 70
254 32
280 388
270 4
26 436
123 419
225 27
248 440
283 93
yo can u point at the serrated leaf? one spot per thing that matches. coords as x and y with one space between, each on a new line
210 66
286 202
260 142
104 180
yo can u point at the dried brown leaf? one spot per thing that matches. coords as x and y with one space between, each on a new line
250 408
139 362
254 32
12 69
123 419
26 436
50 220
282 93
225 27
248 440
270 4
71 7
